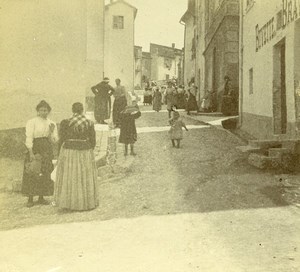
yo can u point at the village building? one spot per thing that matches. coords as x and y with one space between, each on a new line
270 79
146 67
211 47
138 67
119 61
166 63
189 21
221 46
51 50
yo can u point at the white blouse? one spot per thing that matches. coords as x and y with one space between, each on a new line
39 127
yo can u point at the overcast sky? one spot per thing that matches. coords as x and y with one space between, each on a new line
157 21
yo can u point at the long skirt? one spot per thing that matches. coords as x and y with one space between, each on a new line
181 102
191 104
157 103
39 184
120 104
102 108
76 180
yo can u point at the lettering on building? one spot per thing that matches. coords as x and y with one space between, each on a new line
289 12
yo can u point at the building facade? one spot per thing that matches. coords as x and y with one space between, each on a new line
211 46
50 50
189 21
137 67
221 51
119 59
166 63
146 67
270 81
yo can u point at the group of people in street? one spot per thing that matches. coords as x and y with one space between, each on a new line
171 95
76 174
186 98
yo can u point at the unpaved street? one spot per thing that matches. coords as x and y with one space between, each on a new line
197 208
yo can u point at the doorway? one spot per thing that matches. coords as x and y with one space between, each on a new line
279 88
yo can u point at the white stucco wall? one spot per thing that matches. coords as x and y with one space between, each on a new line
189 63
119 45
261 101
46 53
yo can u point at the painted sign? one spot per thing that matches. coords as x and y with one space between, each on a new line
289 12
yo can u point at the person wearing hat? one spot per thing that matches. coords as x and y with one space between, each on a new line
102 92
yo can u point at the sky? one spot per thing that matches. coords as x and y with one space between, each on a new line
157 21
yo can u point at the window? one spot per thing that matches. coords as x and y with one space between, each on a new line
251 81
118 22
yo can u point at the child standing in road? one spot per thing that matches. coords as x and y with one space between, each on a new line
175 131
128 133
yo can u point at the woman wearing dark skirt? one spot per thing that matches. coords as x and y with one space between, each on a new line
157 98
76 174
191 104
41 132
128 133
120 102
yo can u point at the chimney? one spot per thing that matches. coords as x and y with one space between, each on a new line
173 45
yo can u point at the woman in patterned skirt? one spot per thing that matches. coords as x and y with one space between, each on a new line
76 174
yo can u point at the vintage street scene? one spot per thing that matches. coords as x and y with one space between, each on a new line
150 136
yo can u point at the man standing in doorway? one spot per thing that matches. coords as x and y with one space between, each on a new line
102 92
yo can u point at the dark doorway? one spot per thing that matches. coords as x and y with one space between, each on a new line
279 88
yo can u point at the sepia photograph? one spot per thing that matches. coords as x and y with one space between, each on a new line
150 135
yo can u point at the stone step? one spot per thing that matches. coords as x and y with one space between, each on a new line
263 162
247 149
291 143
278 152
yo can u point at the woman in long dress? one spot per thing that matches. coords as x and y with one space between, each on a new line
170 98
157 98
41 133
191 104
76 175
120 102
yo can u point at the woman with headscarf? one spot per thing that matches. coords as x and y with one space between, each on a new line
41 132
76 174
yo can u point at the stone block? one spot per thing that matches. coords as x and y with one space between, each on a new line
258 161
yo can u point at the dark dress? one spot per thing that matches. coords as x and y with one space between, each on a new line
128 133
39 184
102 101
191 104
157 98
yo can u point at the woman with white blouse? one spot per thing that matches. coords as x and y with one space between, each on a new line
41 133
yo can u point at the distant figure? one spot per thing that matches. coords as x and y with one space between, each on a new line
76 175
41 132
191 104
157 98
181 102
170 98
120 102
175 132
128 133
102 92
226 106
